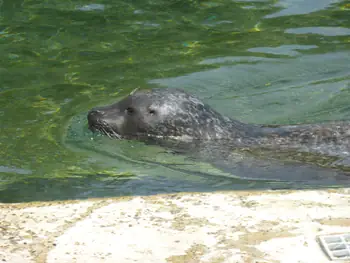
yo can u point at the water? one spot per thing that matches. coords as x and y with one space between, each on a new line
258 61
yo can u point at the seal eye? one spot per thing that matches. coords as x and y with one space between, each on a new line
129 110
152 112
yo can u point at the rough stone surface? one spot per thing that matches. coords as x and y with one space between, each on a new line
271 226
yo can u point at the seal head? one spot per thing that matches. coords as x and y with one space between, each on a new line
160 113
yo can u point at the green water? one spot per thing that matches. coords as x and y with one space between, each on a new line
258 61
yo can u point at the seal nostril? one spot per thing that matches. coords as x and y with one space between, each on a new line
94 115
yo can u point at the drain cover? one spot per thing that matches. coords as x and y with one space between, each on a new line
337 246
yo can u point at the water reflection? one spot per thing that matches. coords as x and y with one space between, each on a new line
289 50
324 31
299 7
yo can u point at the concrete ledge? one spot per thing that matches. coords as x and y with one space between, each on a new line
272 226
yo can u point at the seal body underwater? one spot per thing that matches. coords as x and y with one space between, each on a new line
161 115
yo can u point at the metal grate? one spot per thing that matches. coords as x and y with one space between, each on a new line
337 246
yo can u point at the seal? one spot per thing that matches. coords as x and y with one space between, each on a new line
163 114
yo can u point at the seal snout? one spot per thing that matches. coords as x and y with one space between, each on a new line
94 117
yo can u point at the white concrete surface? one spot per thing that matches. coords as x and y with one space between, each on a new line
228 227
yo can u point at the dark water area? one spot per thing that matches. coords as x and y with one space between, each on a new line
266 61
